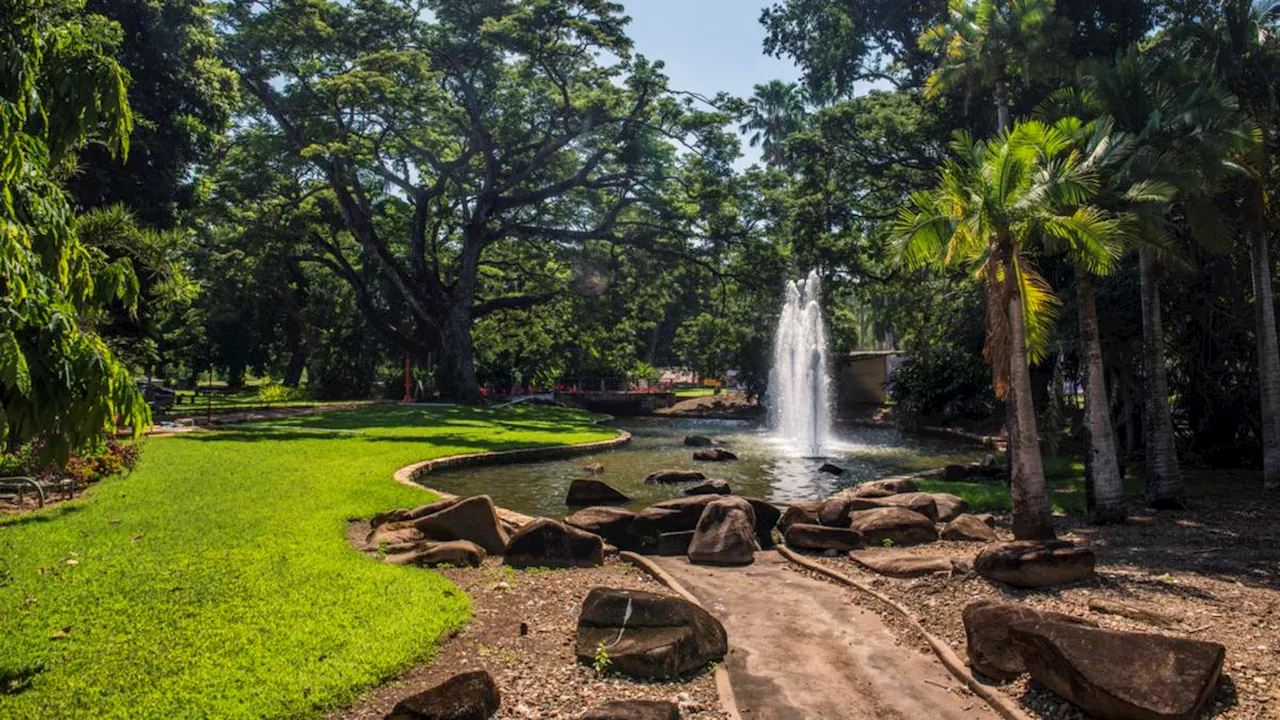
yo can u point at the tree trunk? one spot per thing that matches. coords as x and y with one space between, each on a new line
293 371
1000 94
1268 358
1105 492
1032 518
457 371
1164 477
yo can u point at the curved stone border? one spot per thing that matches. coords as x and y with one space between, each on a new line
409 474
952 662
724 688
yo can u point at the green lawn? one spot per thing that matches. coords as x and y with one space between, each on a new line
1064 477
216 581
695 392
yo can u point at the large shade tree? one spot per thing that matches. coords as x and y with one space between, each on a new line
59 86
469 148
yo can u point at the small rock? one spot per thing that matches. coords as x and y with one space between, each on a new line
714 455
547 543
819 537
896 525
669 477
474 519
968 528
831 469
634 710
590 491
594 468
467 696
665 636
699 441
614 524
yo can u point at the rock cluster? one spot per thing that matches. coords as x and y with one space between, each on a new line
1108 674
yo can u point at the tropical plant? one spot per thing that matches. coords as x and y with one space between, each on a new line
59 87
993 203
987 44
1184 136
1242 46
777 112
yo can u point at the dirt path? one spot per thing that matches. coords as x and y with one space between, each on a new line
802 648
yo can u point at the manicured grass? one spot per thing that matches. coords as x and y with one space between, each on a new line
695 392
216 580
1064 477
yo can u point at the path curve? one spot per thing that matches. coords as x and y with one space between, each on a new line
804 649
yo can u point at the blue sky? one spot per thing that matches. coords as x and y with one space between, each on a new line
708 45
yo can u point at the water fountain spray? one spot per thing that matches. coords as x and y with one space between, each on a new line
799 385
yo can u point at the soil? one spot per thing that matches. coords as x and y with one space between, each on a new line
1213 573
726 405
537 673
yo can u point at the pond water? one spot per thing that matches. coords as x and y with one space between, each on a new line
767 468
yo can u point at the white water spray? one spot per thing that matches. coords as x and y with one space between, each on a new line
799 387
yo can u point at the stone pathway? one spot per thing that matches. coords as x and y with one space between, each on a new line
804 649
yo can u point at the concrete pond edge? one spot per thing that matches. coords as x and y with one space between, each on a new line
998 701
724 688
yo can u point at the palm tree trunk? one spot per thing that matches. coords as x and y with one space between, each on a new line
1268 358
1164 477
1105 493
1000 93
1032 518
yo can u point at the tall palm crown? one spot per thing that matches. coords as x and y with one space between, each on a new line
994 202
777 111
983 42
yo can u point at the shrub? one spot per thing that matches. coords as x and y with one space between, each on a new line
945 383
277 393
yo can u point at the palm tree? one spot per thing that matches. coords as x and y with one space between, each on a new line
1243 49
1183 132
982 41
777 111
993 202
1128 199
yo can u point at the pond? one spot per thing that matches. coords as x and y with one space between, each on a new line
767 468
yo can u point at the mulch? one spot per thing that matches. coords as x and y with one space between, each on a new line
1213 571
523 633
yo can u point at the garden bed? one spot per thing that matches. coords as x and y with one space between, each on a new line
1212 571
537 671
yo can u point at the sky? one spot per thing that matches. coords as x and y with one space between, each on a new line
708 46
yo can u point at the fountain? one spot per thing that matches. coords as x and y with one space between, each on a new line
799 387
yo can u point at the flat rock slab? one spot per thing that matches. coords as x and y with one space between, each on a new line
898 564
800 650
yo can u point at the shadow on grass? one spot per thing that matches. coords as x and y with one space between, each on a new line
41 516
14 681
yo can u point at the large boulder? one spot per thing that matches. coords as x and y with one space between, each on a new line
714 486
473 519
458 553
949 506
547 543
661 636
968 528
634 710
670 477
726 533
1029 563
614 524
986 632
674 515
1117 675
398 533
801 512
898 564
590 491
714 455
467 696
403 515
897 525
885 488
834 511
915 501
820 537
